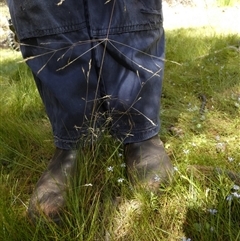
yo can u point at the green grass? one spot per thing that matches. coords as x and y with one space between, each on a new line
197 64
227 2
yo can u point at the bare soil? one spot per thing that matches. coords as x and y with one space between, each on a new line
224 20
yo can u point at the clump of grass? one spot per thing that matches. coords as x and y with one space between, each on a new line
200 204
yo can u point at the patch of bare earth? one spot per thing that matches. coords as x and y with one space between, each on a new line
225 20
4 14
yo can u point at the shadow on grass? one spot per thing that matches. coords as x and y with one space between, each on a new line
213 206
221 223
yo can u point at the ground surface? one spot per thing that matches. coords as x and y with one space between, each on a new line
222 19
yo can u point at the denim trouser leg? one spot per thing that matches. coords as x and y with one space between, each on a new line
131 78
66 80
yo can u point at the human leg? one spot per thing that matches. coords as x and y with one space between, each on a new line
66 82
67 86
132 74
56 45
131 81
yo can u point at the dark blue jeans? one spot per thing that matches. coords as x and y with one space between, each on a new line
96 64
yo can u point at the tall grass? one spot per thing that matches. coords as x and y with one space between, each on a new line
200 204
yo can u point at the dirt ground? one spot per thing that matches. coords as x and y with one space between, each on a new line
3 25
177 14
221 19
